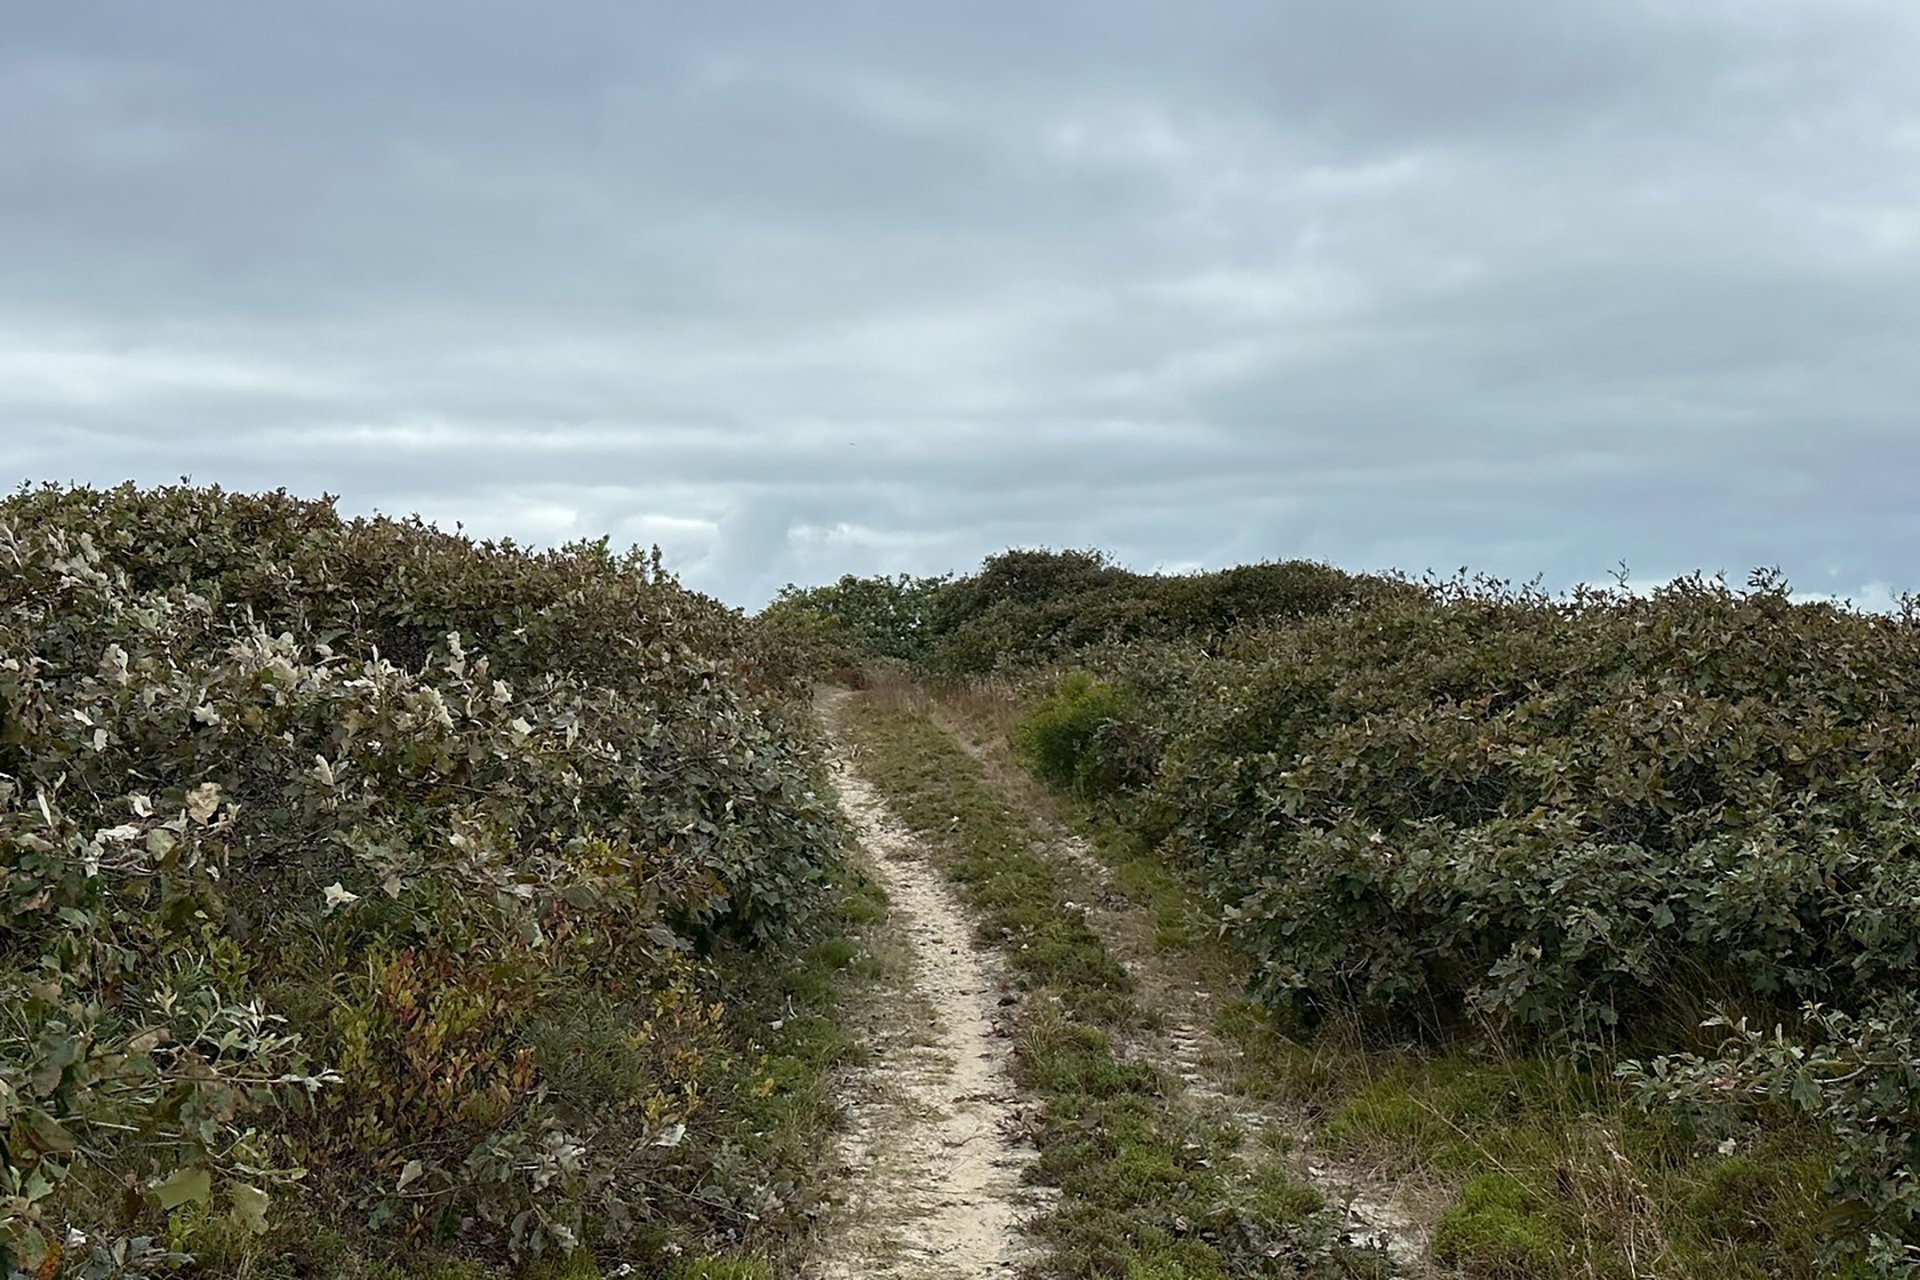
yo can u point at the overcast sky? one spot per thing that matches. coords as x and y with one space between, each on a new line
795 289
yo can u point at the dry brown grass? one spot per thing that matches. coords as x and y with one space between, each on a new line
990 707
889 685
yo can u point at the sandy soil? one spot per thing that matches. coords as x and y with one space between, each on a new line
932 1152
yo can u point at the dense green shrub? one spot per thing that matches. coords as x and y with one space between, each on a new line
1028 608
1564 815
1057 737
308 825
850 622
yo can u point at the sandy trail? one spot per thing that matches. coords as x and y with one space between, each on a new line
1375 1212
930 1152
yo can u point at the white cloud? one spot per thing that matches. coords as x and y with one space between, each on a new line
38 373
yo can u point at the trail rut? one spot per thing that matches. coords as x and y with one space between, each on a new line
931 1154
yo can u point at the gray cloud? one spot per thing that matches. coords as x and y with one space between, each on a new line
801 289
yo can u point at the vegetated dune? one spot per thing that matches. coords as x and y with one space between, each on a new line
377 899
364 888
1602 828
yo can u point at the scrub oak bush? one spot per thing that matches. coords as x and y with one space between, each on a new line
306 825
1027 608
1570 817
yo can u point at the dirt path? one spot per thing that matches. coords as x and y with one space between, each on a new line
1376 1212
931 1156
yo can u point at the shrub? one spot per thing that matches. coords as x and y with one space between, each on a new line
294 870
1566 816
1027 608
1060 736
848 623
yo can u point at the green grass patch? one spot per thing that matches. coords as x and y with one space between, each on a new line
723 1269
1552 1161
1500 1229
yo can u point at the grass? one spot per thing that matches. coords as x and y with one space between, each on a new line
1542 1167
1625 1193
1499 1228
1148 1190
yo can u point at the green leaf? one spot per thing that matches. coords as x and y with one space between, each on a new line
250 1208
1806 1092
57 1053
185 1186
32 1247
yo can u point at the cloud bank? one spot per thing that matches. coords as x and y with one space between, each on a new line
793 290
